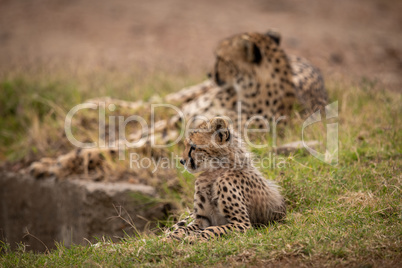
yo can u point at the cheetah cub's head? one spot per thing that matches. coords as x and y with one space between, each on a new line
209 147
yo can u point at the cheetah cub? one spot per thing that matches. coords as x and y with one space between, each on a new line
230 193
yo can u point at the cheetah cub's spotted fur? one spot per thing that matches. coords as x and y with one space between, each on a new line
230 193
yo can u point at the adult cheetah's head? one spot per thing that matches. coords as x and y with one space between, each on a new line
207 147
241 55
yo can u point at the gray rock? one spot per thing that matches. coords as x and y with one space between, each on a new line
72 211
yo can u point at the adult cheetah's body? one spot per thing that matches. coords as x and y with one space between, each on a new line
252 74
252 71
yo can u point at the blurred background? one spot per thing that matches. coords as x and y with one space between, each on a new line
352 39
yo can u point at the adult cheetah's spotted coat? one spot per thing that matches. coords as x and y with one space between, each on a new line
251 71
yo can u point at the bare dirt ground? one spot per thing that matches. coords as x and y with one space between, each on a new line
346 39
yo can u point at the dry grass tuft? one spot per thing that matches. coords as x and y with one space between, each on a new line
359 200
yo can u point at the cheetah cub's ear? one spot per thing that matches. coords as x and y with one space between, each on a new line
220 128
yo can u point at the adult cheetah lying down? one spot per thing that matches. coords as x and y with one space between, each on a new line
230 194
252 79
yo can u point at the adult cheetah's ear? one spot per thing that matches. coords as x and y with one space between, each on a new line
253 52
274 36
220 127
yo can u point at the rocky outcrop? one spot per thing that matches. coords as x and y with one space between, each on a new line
72 211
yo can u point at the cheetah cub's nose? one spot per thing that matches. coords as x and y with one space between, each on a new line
182 162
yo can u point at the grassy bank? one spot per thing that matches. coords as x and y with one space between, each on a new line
348 214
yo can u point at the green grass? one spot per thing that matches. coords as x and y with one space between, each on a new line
343 215
33 105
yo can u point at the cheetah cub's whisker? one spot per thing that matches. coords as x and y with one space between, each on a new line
230 193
